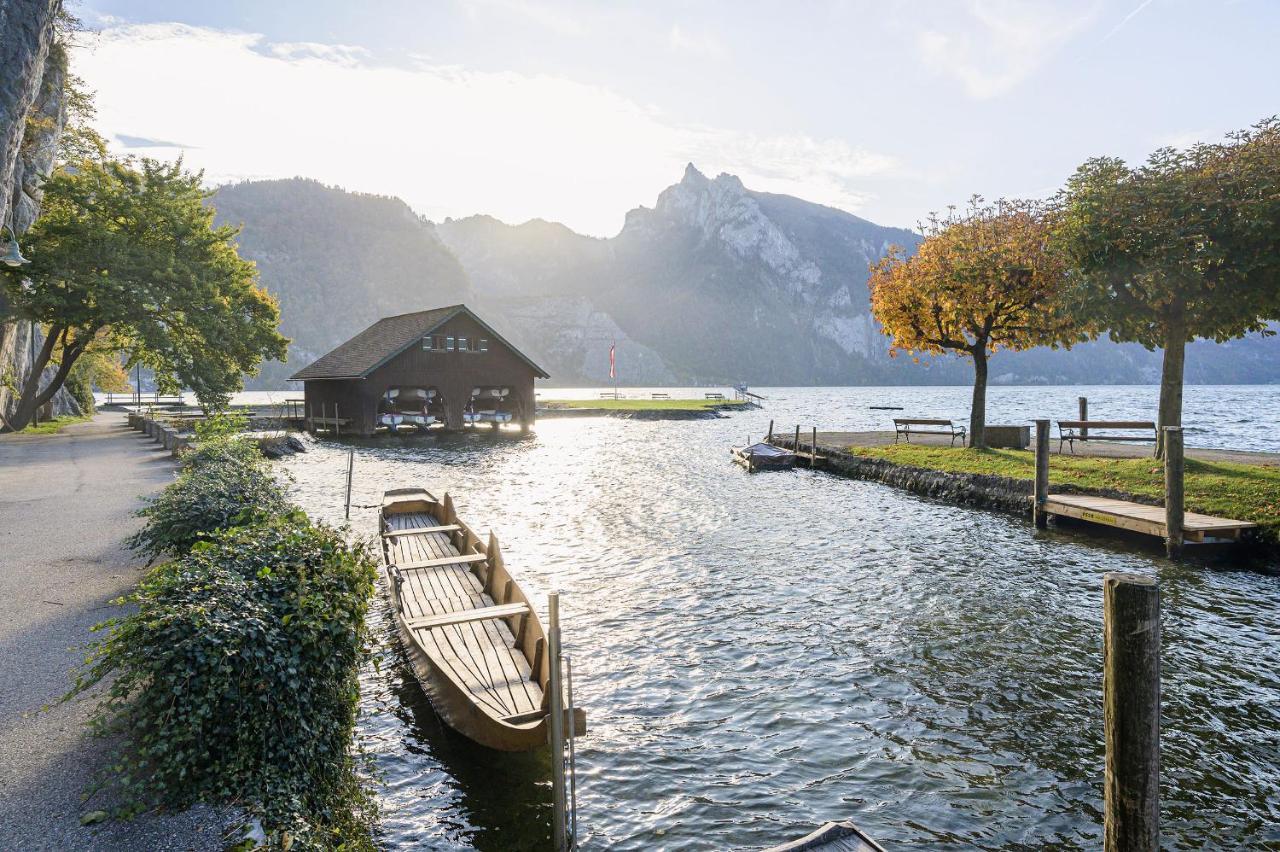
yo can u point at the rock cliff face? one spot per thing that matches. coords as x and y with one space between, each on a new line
32 115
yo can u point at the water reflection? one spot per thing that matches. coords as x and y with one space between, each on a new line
759 654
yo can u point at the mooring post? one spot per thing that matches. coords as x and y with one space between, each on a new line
1131 712
1084 415
795 446
769 438
813 448
337 429
558 822
1173 490
351 463
1042 474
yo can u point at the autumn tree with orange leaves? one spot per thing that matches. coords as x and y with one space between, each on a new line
984 279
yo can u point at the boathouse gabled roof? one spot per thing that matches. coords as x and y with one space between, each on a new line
386 339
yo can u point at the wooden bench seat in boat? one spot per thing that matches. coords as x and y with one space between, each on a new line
445 619
443 528
461 559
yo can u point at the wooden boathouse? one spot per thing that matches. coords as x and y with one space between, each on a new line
439 367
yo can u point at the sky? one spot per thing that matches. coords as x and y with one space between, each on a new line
578 112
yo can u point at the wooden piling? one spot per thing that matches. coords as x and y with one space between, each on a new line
795 447
351 463
769 438
1084 415
559 821
813 449
1042 474
1131 712
1173 491
337 429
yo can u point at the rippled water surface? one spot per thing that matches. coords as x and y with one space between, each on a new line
758 654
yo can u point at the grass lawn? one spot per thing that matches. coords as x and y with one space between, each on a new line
1243 492
49 427
639 404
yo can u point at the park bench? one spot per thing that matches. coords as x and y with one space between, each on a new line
714 396
610 395
660 396
1070 431
908 426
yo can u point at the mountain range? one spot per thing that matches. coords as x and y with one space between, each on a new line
714 284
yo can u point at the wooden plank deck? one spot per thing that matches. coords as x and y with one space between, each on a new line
481 652
1140 518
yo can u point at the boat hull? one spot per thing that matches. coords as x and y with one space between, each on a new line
464 582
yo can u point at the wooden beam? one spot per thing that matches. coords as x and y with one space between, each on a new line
444 528
467 615
465 559
1042 474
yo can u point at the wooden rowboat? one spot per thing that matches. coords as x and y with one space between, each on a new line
832 837
476 645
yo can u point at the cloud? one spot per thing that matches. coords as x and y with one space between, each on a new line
143 142
544 15
1126 19
705 46
448 140
991 46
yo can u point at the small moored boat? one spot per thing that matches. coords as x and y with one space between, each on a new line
764 456
475 642
832 837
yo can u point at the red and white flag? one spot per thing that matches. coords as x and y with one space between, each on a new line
613 373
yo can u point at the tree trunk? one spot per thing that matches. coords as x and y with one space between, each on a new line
32 397
1175 351
978 411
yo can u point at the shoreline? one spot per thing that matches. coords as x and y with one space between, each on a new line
1005 494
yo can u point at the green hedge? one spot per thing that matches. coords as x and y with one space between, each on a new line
223 483
234 680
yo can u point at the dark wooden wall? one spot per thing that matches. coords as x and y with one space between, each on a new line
453 374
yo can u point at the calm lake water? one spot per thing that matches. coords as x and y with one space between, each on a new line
759 654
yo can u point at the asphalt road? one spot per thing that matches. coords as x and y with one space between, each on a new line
66 508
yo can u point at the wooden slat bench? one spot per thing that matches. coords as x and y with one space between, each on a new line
714 395
1070 431
659 396
907 426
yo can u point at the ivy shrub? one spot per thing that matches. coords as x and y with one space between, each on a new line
223 483
235 680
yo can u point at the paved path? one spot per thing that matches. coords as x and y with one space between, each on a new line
840 440
66 507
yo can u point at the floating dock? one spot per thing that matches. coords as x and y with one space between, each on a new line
1137 517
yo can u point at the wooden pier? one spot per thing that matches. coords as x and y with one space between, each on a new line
1139 518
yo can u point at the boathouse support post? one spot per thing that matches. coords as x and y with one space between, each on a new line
558 818
1131 712
1042 474
1173 490
1084 415
813 449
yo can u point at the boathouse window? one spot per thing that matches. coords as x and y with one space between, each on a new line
432 342
484 345
462 344
448 343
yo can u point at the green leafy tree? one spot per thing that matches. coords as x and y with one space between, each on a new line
129 251
1185 246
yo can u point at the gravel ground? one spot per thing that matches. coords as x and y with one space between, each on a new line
66 507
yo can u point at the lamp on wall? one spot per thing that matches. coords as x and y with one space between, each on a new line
13 257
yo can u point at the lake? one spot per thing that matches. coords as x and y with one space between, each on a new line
758 654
